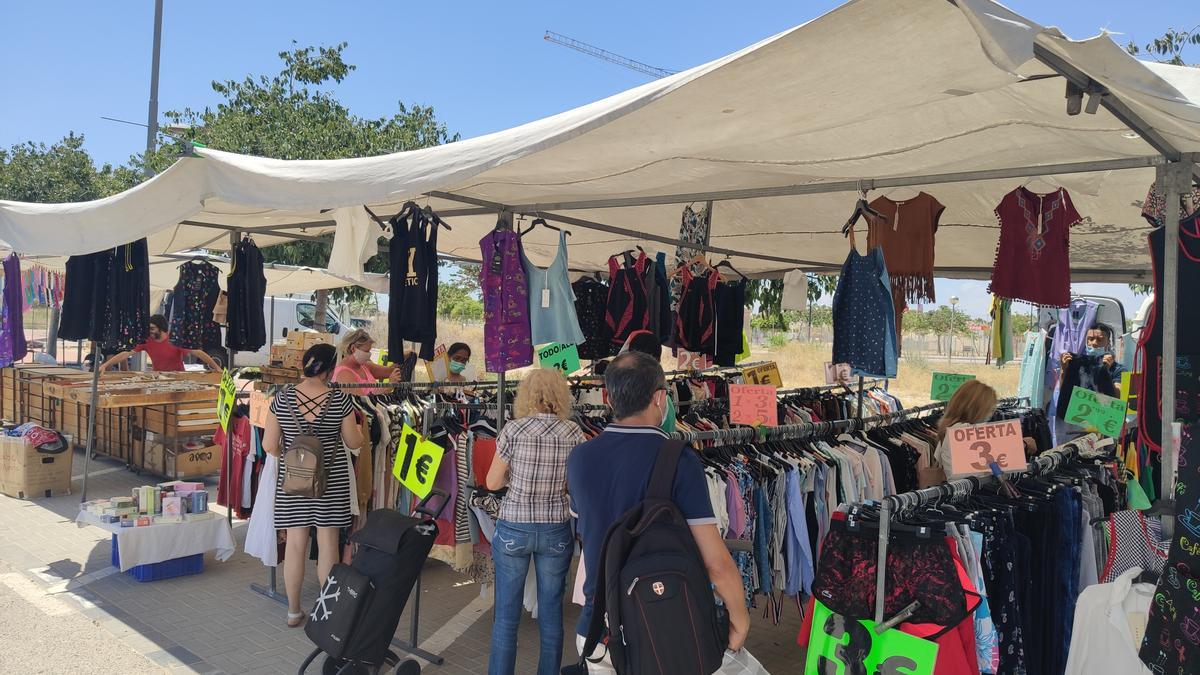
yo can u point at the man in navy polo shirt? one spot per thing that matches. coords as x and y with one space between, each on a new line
609 474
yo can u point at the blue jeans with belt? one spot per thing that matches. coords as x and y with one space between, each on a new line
549 545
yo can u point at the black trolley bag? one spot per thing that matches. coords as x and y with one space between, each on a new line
356 615
654 591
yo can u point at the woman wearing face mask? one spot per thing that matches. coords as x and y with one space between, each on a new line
460 358
355 367
973 403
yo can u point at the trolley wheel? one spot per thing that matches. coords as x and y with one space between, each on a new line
409 667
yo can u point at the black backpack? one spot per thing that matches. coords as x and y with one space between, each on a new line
654 590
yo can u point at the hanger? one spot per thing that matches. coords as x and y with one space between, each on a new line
1044 180
542 221
862 209
726 263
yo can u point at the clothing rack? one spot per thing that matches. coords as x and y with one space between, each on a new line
868 384
786 431
1047 462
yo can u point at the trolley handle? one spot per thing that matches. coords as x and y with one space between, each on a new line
423 508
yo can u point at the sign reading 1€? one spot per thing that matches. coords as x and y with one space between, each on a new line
417 462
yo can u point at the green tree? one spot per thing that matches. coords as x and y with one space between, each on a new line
295 114
1171 45
767 296
62 172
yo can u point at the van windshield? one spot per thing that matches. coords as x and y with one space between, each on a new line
304 316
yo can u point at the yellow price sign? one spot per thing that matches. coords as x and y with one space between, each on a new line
417 462
767 373
226 395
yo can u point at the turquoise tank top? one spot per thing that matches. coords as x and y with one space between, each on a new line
551 300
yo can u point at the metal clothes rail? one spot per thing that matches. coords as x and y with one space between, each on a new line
1046 462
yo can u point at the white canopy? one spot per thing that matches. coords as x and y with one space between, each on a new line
874 89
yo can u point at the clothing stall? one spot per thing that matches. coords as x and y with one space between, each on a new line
764 157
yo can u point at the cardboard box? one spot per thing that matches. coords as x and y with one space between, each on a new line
26 473
196 463
293 358
303 339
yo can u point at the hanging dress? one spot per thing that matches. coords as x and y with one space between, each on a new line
16 347
1033 255
1032 383
413 290
627 309
864 323
192 303
1187 334
729 308
696 321
907 236
551 302
591 298
127 299
78 316
507 339
247 288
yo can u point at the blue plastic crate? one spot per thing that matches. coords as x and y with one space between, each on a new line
167 569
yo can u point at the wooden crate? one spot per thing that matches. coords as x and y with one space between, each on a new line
181 419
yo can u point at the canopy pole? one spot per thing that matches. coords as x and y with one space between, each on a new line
816 188
1173 180
91 428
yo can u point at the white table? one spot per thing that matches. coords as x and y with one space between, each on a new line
165 541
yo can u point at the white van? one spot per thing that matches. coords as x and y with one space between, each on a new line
283 315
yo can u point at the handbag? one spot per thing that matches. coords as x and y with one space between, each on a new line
304 470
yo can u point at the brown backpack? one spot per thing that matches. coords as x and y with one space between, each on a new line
304 470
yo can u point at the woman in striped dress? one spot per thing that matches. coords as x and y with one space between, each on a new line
329 415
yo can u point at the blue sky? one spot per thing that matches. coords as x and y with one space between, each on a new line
482 66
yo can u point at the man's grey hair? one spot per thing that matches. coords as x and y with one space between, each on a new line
631 380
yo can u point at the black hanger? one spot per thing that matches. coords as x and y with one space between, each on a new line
861 209
543 223
1146 577
726 263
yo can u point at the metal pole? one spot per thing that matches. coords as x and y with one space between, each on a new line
152 112
500 401
885 521
860 397
230 497
1174 179
91 430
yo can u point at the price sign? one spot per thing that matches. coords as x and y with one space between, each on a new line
693 361
561 357
1097 411
837 373
767 373
417 462
1131 383
226 395
260 403
753 404
840 645
945 384
974 448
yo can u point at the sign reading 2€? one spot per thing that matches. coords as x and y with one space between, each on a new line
417 462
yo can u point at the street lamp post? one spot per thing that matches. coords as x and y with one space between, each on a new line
953 321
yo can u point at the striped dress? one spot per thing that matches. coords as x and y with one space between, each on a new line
333 509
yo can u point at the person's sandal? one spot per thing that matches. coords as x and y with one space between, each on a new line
295 619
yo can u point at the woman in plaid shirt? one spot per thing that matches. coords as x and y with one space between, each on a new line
534 523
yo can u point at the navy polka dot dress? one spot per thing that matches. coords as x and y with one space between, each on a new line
864 319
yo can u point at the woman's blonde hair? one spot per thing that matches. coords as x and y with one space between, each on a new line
973 403
543 391
352 338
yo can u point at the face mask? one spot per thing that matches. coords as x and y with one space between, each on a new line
668 422
361 356
457 367
1095 351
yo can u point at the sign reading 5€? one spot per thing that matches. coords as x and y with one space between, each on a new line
417 462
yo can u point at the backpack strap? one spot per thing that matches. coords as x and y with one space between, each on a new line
662 478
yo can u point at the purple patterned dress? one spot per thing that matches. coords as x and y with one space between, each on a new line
507 339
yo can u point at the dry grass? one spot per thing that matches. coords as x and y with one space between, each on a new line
803 364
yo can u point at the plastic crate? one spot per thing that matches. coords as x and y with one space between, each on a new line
167 569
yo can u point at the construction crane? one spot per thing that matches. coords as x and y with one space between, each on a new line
606 55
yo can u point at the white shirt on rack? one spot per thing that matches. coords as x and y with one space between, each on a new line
1110 620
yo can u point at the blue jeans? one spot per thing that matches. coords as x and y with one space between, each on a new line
550 547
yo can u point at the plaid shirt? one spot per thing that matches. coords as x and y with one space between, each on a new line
536 449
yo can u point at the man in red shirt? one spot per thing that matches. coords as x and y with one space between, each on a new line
164 356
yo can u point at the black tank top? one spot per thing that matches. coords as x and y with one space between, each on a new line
412 301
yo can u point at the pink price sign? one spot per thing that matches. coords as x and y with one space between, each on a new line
753 404
974 448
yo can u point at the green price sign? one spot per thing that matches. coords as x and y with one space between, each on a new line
1097 411
840 645
945 384
561 357
226 395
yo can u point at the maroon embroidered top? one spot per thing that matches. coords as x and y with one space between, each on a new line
1033 261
